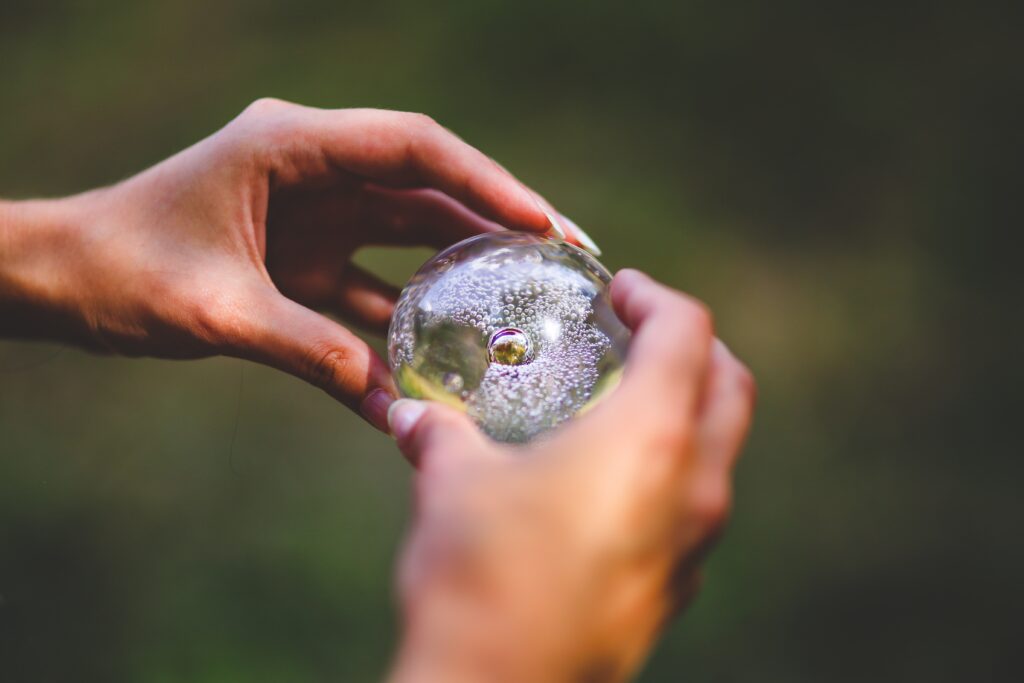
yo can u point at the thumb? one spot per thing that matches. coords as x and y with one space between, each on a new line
434 436
290 337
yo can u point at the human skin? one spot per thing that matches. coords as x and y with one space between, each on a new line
238 244
559 561
562 561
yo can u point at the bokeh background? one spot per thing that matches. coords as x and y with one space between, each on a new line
839 181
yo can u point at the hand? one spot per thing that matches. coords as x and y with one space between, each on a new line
230 246
561 561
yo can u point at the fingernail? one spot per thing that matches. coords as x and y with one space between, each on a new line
403 416
375 408
588 244
556 227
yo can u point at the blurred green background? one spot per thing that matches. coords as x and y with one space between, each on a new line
838 181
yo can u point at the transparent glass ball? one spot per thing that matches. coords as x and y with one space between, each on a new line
515 329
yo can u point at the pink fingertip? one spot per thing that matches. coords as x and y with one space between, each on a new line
403 415
374 408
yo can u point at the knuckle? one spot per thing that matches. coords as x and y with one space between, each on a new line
420 127
665 426
327 366
265 106
422 122
741 385
746 383
696 315
266 123
709 509
677 430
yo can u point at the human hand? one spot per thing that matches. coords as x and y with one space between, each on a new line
233 245
561 561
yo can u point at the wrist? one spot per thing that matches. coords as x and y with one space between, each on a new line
462 632
37 281
456 638
456 642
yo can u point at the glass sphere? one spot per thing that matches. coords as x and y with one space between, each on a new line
515 329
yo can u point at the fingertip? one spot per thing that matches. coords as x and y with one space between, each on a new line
433 436
628 277
375 407
402 417
624 285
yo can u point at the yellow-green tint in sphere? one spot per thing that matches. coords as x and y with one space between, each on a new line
510 347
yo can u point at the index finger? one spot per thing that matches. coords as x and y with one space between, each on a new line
670 348
402 149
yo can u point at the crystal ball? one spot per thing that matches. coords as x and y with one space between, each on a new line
517 330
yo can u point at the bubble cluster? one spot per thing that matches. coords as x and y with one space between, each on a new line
514 329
